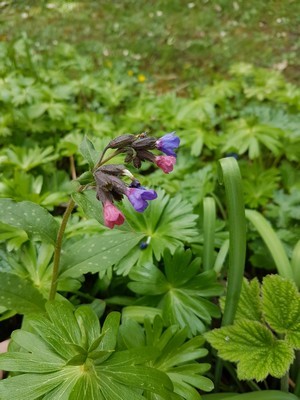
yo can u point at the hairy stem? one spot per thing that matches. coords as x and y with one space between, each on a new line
101 161
57 251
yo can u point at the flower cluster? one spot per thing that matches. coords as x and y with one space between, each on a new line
109 183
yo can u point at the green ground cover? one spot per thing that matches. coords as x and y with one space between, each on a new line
223 75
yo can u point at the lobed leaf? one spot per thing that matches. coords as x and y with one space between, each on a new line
255 349
281 307
249 306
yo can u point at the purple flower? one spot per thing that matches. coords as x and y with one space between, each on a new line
168 143
138 197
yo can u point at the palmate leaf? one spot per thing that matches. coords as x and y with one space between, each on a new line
245 136
281 307
175 356
33 263
255 349
69 356
180 290
26 158
167 222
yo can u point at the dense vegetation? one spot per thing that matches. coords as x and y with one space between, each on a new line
158 282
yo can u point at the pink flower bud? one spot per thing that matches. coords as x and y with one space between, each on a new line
166 163
112 215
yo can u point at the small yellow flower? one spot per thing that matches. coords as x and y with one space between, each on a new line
130 72
141 78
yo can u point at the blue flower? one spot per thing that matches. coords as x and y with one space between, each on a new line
168 143
138 197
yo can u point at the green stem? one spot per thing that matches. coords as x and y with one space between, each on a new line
62 228
101 161
297 361
57 251
284 382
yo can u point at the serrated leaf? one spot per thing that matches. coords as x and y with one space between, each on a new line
19 294
35 220
281 307
97 253
255 349
249 306
89 152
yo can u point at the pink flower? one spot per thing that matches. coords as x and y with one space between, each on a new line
166 163
112 215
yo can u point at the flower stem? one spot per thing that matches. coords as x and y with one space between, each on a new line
62 228
57 251
101 161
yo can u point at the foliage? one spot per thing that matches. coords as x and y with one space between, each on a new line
265 332
162 270
68 356
179 290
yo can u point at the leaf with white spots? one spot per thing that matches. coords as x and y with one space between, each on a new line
34 219
97 253
89 152
19 295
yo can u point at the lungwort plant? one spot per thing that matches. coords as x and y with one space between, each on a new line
62 351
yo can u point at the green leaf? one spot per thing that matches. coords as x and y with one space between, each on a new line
230 176
35 220
255 349
249 306
257 395
60 366
90 205
19 294
97 253
179 290
167 222
175 356
281 307
273 243
32 386
37 110
89 325
89 152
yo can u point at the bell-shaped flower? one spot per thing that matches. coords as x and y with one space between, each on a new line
112 215
168 143
139 197
166 163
